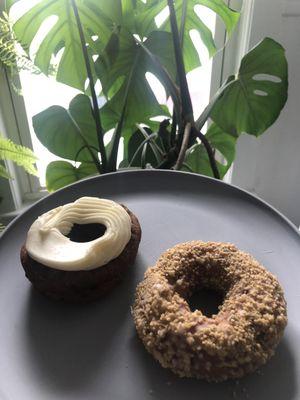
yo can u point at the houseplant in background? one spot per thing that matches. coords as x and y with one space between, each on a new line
20 155
117 42
10 151
12 60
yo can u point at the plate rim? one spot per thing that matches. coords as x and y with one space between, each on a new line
157 171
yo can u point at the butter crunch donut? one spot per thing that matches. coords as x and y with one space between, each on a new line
237 340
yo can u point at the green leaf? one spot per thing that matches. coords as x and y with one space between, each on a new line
96 18
20 155
86 169
62 173
11 55
197 158
138 144
145 14
133 62
139 16
193 22
208 109
65 132
253 100
123 164
159 45
166 78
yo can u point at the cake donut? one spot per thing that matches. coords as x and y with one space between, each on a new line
230 344
79 267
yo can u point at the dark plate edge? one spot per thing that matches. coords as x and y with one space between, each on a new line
165 172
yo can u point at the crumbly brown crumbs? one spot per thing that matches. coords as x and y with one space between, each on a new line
234 342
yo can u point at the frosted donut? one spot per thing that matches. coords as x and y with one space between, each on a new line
237 340
84 267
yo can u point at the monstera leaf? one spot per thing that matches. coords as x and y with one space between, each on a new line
197 158
192 21
62 173
123 76
254 98
66 132
125 63
140 16
189 19
96 18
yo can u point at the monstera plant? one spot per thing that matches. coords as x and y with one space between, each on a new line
117 42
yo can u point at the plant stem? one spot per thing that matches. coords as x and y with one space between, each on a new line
169 159
181 34
143 157
187 108
144 132
95 109
158 153
86 144
210 153
182 22
184 146
112 161
188 167
82 148
165 77
208 109
173 129
149 138
172 155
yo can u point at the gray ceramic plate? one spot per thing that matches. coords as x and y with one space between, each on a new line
55 351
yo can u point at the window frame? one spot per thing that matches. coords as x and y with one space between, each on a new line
15 127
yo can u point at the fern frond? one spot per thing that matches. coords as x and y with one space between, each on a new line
20 155
12 53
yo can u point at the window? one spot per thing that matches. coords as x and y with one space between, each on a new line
41 92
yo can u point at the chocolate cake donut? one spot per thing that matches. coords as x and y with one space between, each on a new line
230 344
78 267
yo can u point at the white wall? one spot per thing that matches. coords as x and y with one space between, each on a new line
270 165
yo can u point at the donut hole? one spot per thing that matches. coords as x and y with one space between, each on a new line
207 300
86 232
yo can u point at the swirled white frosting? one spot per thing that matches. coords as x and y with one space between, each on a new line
46 241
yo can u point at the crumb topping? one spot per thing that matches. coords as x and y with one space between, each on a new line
238 339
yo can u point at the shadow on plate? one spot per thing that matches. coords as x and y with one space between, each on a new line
276 380
68 345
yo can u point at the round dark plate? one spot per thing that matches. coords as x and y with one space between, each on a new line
56 351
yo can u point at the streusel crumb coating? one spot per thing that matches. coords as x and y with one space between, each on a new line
232 343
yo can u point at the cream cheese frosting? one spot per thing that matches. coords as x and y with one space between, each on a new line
46 241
